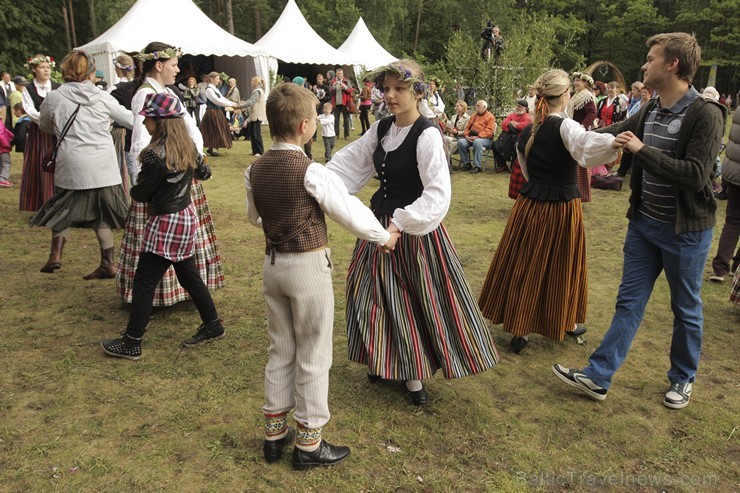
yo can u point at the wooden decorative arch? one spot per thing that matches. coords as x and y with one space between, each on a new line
618 77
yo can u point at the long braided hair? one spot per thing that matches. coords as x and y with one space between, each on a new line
551 87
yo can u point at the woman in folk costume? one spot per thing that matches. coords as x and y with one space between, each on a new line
410 312
537 282
215 127
159 69
36 186
582 108
125 69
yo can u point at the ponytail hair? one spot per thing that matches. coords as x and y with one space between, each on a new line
551 87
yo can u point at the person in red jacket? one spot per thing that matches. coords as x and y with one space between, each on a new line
478 135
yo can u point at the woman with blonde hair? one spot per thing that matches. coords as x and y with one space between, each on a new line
256 107
125 71
537 281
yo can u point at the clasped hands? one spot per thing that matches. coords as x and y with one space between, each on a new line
390 245
628 142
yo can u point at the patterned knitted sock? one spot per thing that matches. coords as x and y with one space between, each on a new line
308 439
276 426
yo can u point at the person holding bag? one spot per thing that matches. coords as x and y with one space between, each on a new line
88 190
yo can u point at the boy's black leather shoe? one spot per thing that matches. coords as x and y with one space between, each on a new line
325 455
273 449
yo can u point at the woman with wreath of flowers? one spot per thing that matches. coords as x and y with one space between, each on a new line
125 70
158 71
36 186
410 311
582 108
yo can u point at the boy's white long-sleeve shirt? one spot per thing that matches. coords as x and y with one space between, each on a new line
333 198
327 125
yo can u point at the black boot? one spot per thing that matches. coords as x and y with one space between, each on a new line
206 333
126 347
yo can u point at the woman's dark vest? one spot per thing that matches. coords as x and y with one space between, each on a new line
551 168
33 92
398 170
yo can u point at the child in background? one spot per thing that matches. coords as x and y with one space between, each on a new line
168 165
6 139
21 127
287 195
326 119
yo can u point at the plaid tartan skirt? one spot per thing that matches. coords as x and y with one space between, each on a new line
537 280
119 143
36 186
172 236
516 179
411 312
206 255
215 130
735 293
583 180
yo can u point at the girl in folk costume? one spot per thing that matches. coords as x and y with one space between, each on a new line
537 280
582 108
159 69
169 163
411 312
125 69
215 126
36 186
256 107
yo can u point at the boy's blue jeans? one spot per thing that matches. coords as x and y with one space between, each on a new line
649 248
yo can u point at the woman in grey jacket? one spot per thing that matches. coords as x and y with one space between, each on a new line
88 189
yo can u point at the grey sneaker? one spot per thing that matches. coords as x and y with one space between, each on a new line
578 379
206 333
678 395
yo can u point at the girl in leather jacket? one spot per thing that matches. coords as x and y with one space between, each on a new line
168 165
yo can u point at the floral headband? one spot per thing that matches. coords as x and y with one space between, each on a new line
584 77
32 62
127 68
378 75
160 55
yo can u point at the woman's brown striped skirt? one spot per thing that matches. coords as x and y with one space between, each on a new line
411 312
537 281
215 130
36 186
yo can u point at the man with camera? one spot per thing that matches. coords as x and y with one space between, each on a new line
478 135
492 41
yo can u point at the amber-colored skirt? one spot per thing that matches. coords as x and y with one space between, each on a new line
537 281
215 130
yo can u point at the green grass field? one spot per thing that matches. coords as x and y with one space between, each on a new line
74 420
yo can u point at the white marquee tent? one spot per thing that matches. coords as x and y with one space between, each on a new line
179 23
363 47
292 40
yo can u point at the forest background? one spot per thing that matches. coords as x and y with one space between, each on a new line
444 36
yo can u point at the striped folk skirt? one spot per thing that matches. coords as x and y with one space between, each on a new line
215 130
119 143
36 186
537 281
411 312
207 258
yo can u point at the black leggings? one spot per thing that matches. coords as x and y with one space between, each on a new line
149 272
255 137
364 118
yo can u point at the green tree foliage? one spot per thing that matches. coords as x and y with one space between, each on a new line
28 29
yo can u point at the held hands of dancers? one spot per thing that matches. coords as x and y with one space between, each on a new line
390 245
628 141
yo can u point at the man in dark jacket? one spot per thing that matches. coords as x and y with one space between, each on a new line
672 143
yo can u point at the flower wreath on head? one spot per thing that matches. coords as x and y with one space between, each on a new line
32 62
127 68
584 77
378 75
159 55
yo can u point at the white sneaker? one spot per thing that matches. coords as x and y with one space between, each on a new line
716 278
678 395
576 378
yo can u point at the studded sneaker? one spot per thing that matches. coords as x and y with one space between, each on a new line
678 395
578 379
125 347
206 333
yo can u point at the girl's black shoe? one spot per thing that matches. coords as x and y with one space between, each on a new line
518 343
